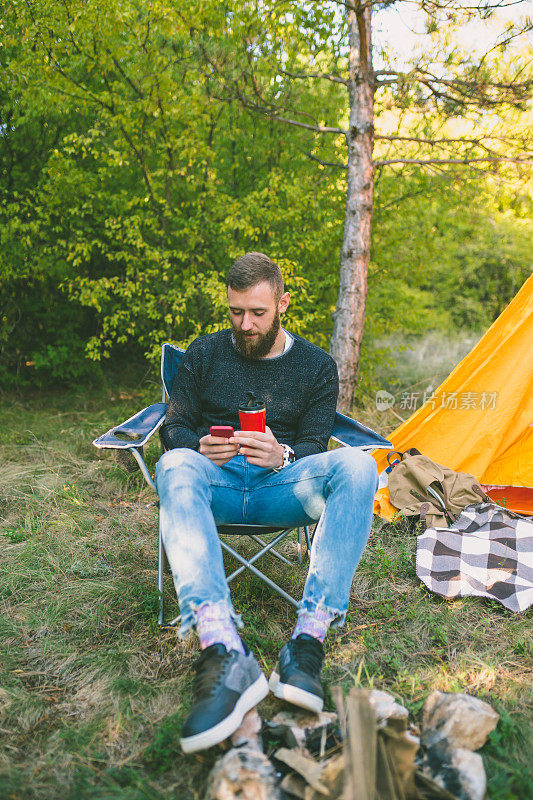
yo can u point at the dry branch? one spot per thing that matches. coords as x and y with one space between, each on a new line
423 161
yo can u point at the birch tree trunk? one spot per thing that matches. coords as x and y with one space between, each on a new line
349 315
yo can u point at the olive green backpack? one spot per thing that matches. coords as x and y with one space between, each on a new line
418 487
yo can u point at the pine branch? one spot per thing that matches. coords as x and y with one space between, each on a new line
513 34
470 84
260 106
462 140
306 76
334 164
466 92
315 128
434 5
359 6
423 161
400 199
270 112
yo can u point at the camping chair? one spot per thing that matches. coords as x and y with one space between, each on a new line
136 431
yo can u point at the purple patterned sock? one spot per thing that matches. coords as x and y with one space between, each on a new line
313 623
214 625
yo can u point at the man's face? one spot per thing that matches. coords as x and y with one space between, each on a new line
255 318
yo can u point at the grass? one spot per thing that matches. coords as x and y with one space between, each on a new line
419 361
93 695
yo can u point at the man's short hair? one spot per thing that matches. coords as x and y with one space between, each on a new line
253 268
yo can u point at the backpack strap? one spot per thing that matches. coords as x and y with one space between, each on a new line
424 508
412 452
394 453
478 490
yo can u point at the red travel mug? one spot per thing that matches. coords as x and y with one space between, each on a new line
252 414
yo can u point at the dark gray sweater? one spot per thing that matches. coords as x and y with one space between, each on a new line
299 387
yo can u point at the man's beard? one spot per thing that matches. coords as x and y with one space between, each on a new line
261 344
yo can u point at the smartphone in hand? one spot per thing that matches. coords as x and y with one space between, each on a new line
222 431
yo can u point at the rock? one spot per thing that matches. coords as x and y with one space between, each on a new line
303 729
472 773
388 712
248 732
464 720
41 633
455 769
243 773
89 570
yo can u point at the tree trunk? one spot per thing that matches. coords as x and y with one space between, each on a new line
349 315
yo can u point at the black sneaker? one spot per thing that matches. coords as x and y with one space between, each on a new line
296 677
227 686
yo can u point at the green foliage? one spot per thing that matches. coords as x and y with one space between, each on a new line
134 173
509 773
161 754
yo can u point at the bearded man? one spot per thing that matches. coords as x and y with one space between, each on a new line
284 477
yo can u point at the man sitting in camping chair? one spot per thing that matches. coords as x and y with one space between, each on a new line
283 477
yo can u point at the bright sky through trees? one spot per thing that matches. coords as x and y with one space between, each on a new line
401 30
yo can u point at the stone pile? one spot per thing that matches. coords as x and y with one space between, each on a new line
369 750
453 726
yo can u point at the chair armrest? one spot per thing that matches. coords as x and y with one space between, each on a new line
135 431
349 432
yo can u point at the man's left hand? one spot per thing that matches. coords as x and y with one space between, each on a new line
262 449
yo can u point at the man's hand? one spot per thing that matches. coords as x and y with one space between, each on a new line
217 449
261 449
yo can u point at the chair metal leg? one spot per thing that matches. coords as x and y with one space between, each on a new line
258 573
307 540
303 532
245 564
161 565
273 552
268 546
142 466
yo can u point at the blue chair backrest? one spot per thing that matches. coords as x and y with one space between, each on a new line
171 356
346 430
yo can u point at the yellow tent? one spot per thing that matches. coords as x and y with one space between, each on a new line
480 420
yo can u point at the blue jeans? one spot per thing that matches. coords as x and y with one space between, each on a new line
195 495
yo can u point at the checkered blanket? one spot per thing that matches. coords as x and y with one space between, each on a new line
488 552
